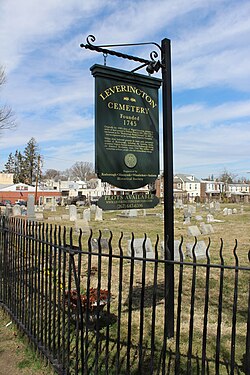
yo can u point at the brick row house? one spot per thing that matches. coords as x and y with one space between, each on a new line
187 188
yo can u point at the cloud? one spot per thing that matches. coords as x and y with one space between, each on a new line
201 114
51 89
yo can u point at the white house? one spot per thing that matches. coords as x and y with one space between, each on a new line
189 184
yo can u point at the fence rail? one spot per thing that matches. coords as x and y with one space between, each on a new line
91 308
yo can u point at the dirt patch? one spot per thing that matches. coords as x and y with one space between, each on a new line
16 355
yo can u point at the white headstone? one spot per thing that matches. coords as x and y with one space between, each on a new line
206 228
83 225
16 210
186 220
198 218
176 250
234 210
72 212
138 248
31 207
65 217
193 230
39 216
98 214
103 242
200 250
229 211
86 214
132 213
225 211
210 218
93 207
217 206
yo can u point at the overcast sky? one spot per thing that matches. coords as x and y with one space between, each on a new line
51 90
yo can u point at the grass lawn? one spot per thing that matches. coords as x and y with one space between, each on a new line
229 228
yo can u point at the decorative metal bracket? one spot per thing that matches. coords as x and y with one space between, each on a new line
152 65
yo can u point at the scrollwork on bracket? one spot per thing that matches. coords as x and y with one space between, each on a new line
100 48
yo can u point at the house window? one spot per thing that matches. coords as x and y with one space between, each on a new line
190 186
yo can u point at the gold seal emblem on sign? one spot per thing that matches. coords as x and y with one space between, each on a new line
130 160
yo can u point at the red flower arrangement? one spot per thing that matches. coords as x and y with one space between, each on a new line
92 302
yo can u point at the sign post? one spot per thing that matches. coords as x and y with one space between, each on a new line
129 160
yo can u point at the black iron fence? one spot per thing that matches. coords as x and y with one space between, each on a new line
92 309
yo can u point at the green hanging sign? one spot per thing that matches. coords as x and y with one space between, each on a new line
126 127
128 201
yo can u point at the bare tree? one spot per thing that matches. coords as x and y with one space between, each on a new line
227 177
52 174
7 120
82 170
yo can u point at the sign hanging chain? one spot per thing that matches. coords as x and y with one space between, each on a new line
105 59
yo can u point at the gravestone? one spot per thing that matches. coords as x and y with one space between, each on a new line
179 203
198 218
31 207
93 207
2 209
225 211
234 210
193 230
217 206
8 210
83 225
132 213
16 210
241 209
128 213
210 218
98 214
210 228
23 210
72 213
103 242
206 228
65 217
186 220
200 250
86 214
229 211
39 216
192 209
138 248
176 250
187 212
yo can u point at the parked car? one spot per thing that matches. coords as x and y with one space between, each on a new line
4 202
21 202
78 201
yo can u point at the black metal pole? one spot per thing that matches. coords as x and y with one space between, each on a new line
168 175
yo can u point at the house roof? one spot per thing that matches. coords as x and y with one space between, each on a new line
187 178
2 186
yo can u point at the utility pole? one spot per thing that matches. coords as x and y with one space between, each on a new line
37 176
